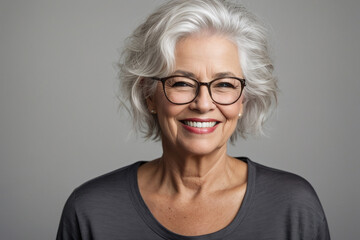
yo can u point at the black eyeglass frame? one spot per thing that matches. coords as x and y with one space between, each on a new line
207 84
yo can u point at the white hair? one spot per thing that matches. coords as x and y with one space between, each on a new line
149 52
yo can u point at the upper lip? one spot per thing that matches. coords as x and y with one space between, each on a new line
200 120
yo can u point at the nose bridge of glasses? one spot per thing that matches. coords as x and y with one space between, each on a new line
205 84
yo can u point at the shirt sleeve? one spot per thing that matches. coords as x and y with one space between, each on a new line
323 231
69 225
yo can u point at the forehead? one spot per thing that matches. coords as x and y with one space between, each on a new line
207 54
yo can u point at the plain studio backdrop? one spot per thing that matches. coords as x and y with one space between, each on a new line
59 123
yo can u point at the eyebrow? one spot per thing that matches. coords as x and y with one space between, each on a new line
224 74
184 73
192 75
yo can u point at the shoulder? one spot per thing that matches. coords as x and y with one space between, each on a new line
283 204
283 181
100 204
104 188
287 189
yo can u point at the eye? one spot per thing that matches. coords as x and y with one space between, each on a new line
181 84
224 85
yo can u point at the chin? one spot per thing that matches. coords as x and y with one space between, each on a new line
198 148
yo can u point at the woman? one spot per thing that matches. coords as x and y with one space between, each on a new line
196 73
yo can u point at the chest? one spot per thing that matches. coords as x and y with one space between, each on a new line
197 217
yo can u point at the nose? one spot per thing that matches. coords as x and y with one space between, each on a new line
203 102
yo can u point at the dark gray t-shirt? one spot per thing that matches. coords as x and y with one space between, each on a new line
277 205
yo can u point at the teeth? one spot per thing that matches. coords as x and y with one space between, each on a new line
200 124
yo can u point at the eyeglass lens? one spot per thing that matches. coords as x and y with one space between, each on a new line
181 90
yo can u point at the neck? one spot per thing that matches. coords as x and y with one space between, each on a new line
193 174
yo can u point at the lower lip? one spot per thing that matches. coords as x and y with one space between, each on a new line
200 130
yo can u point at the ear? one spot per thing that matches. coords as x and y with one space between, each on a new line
242 100
149 100
151 103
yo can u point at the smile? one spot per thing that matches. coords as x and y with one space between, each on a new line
199 124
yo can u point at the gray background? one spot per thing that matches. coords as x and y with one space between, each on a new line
59 124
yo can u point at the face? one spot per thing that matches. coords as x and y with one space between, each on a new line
190 128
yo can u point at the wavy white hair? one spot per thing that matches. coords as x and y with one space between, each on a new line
149 52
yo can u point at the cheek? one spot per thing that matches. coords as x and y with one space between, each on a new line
167 114
166 109
232 112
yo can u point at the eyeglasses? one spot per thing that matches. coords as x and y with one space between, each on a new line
182 90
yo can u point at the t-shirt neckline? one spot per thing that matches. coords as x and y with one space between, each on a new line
159 229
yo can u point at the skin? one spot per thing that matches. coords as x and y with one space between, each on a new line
195 188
